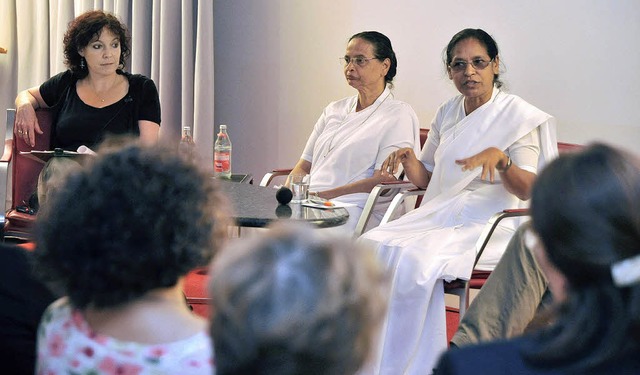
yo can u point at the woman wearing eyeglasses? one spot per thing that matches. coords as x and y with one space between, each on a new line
587 242
353 136
481 156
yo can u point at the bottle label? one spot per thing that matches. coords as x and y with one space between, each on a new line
222 161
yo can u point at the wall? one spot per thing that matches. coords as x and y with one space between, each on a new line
276 64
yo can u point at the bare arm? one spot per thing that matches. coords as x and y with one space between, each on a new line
413 168
302 167
148 132
27 124
517 181
361 186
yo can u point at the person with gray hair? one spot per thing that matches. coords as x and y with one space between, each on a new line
295 301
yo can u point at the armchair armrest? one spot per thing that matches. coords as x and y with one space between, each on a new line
383 189
269 176
7 156
491 226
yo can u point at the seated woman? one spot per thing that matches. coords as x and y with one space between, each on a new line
482 155
353 136
294 302
117 241
95 97
587 242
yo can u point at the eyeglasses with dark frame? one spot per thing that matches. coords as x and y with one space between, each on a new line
358 60
461 65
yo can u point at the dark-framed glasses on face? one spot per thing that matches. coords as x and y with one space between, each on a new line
461 65
359 60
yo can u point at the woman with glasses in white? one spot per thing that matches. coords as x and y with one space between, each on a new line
481 156
585 235
353 136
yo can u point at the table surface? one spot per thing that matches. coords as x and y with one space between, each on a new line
256 206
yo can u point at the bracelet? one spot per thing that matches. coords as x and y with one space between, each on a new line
507 166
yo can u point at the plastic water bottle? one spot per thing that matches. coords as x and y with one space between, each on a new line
222 154
187 147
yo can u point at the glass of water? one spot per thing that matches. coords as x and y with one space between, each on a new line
299 184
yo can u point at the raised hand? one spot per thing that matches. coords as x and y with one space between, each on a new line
488 159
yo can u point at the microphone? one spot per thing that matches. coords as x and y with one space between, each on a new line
128 99
284 195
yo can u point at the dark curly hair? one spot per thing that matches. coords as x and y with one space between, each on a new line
135 219
383 50
83 29
481 36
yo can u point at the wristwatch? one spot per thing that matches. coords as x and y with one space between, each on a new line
507 166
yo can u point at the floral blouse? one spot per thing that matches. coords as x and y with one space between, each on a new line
67 345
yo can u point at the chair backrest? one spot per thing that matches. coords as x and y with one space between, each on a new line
25 170
424 132
568 147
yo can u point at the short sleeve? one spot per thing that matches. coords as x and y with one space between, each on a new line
307 153
525 152
433 140
150 102
54 88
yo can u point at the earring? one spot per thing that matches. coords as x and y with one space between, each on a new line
121 66
82 66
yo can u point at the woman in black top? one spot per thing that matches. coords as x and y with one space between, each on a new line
95 96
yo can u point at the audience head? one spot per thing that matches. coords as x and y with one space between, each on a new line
586 219
132 220
83 29
382 50
52 176
294 302
483 38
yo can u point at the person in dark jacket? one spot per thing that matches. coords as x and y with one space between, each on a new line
585 235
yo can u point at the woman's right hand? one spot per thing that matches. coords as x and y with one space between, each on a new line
26 123
393 161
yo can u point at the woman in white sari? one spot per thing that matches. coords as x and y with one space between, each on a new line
481 156
353 136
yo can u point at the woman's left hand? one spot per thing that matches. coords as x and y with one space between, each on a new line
488 159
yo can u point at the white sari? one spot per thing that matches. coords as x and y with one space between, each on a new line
436 241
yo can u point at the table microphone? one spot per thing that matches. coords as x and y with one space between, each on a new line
284 195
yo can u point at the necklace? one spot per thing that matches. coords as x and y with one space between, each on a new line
98 96
332 146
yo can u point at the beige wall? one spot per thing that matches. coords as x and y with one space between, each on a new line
276 64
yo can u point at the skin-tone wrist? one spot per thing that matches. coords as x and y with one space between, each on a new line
504 164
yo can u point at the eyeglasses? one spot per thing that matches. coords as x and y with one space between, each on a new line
359 61
461 66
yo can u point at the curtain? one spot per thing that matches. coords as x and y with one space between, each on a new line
172 43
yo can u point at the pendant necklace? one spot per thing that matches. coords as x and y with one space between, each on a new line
332 146
95 92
